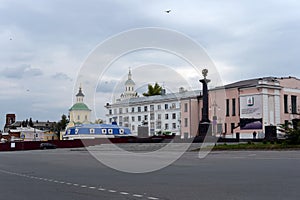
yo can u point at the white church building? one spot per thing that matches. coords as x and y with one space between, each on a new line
158 113
79 113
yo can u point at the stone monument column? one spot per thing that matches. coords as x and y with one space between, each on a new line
204 124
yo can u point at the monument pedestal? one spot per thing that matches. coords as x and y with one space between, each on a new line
205 128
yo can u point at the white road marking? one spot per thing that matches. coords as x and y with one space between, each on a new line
125 193
152 198
137 195
75 184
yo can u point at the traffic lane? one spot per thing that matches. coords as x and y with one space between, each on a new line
240 175
19 186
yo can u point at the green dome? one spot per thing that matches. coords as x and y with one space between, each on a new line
79 106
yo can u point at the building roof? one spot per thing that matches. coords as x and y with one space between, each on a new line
79 106
129 82
250 83
159 98
80 94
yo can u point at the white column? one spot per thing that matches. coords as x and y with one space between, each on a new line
265 105
277 107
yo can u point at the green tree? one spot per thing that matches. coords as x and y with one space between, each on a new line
60 125
153 90
98 121
30 123
292 132
64 122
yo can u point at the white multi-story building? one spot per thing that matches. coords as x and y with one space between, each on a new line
159 112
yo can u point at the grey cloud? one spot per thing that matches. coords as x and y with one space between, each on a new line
21 72
61 76
110 87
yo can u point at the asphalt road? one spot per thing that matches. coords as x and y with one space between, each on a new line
70 175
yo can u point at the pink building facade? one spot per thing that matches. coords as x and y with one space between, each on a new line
245 107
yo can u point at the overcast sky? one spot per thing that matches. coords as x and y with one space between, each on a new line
44 43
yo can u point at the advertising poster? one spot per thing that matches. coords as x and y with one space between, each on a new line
251 112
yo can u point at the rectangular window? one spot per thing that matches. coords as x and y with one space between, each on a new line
152 125
151 107
145 108
185 107
166 106
110 111
132 118
173 115
233 107
126 110
232 127
227 107
145 117
166 126
151 116
132 109
173 125
158 125
132 127
294 104
159 116
166 116
225 128
139 109
185 122
285 101
173 106
139 118
158 107
120 110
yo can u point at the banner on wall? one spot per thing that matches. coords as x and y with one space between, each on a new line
251 112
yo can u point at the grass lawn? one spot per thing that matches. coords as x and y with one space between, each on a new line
256 146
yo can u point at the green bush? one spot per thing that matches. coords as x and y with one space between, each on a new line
292 134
